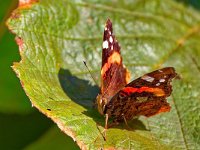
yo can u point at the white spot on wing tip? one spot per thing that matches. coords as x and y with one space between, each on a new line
106 29
112 47
157 84
162 80
111 39
105 44
147 78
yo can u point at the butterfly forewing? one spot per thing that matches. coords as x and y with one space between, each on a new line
114 75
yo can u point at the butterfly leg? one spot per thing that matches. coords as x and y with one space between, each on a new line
103 133
106 127
126 121
106 122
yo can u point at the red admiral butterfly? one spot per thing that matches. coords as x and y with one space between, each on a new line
122 101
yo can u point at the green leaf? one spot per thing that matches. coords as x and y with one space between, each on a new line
55 37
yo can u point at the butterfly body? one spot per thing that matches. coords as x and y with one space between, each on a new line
122 101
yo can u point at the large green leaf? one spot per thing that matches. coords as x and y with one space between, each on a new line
55 37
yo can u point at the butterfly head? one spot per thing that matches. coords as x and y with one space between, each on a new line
101 103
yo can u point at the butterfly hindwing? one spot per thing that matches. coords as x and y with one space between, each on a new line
143 96
159 80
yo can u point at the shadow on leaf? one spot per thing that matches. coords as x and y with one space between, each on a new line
83 93
194 3
78 90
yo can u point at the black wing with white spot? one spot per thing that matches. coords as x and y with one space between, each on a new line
157 79
144 96
110 44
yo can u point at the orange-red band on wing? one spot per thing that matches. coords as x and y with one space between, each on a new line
156 91
164 109
114 58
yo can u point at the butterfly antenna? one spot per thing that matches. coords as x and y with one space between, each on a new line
90 72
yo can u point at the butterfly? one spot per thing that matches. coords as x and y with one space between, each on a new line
121 100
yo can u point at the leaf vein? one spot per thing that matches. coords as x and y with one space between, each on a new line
179 43
180 123
135 14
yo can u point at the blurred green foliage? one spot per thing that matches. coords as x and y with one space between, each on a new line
193 3
21 126
13 98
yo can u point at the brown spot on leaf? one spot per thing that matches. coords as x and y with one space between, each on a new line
15 15
19 42
22 83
